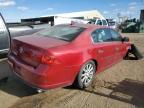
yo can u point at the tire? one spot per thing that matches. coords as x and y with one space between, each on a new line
133 51
4 80
136 52
85 76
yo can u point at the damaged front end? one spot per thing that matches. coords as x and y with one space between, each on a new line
134 53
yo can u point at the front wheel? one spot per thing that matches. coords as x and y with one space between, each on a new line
86 75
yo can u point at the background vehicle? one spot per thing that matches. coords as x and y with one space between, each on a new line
66 54
8 32
112 24
98 21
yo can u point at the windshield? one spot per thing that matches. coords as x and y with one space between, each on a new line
63 32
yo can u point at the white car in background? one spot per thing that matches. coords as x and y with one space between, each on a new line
112 24
99 21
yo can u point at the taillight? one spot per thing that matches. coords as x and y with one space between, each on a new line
47 59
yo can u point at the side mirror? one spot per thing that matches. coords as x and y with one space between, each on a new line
125 39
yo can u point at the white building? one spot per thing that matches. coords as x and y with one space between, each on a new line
65 17
82 14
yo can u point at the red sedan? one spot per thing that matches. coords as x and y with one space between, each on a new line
66 54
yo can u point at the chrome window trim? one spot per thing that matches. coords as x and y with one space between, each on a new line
102 42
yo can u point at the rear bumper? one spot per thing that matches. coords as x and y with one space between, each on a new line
41 77
28 74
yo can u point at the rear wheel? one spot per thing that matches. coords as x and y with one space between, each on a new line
86 75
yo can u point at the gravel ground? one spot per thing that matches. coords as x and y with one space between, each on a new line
121 86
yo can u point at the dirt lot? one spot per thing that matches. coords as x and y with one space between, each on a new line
121 86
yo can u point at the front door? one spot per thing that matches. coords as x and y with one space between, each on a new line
120 48
104 48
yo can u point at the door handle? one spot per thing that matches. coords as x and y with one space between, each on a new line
100 51
117 49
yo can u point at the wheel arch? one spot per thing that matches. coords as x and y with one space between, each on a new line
96 63
91 59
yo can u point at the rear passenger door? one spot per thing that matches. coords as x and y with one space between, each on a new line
103 47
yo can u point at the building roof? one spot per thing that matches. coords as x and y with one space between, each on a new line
79 14
76 15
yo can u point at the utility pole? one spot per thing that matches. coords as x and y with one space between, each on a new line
142 12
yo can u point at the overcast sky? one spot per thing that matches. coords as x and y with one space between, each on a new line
14 10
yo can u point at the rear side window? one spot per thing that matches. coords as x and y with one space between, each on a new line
63 32
101 35
95 36
115 35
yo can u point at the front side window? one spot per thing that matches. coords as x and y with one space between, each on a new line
63 32
104 22
115 35
101 35
99 22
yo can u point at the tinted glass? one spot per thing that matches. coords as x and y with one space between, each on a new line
99 22
63 32
112 23
2 25
4 36
115 35
101 35
95 36
104 22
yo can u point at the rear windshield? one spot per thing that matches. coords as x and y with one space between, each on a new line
62 32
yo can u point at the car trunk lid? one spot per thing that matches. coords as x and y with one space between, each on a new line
30 49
